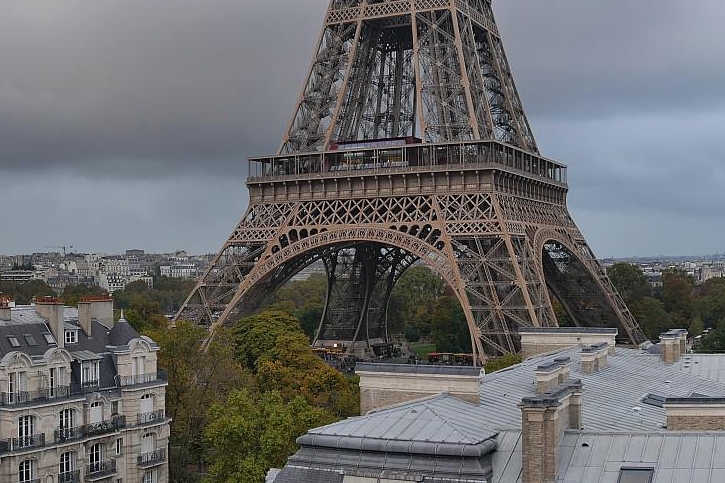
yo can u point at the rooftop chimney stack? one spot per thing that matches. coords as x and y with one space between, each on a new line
5 310
84 316
669 347
52 309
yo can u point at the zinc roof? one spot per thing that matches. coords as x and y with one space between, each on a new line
709 366
675 457
438 419
612 397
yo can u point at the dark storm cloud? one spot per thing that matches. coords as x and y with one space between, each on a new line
89 83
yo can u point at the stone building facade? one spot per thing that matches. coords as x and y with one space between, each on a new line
81 399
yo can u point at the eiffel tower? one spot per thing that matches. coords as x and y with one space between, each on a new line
409 143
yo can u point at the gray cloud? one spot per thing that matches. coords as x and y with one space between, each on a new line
148 109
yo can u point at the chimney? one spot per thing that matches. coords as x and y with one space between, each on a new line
695 414
547 377
52 309
565 371
543 422
682 333
602 351
102 311
5 310
669 347
84 317
588 359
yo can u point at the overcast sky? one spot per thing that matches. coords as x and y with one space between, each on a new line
126 124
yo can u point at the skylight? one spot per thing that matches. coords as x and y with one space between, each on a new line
13 341
49 338
635 475
30 339
654 400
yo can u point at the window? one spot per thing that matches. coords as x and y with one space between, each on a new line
49 339
66 419
654 400
71 336
95 456
147 404
148 443
26 430
635 475
67 463
96 414
89 373
26 471
119 446
149 476
16 386
30 340
114 408
138 366
13 341
56 378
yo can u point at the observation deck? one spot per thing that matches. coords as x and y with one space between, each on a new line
393 166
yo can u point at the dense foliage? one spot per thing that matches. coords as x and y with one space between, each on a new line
678 303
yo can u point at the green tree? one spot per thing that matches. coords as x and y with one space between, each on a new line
72 294
412 301
273 346
652 317
24 293
714 342
250 433
198 376
677 293
629 281
696 326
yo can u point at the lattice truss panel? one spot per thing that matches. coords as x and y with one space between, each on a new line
434 69
499 253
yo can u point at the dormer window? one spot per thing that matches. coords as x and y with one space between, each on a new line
71 336
89 373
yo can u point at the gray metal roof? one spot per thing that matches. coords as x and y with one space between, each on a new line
441 419
709 366
292 474
24 321
418 369
612 397
568 330
675 457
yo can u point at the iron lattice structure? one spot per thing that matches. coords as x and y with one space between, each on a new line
409 142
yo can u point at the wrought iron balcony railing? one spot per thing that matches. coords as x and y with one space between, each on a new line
150 418
159 376
100 469
89 430
70 477
18 444
27 397
152 458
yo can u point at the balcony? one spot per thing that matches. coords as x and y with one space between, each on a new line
70 477
140 379
19 444
89 430
150 418
103 469
34 480
33 397
154 458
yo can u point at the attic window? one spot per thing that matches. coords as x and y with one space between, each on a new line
71 336
654 400
30 339
49 338
13 341
635 475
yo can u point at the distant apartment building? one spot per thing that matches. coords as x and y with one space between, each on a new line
17 276
178 270
81 398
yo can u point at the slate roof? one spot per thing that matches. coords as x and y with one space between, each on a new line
291 474
24 321
419 369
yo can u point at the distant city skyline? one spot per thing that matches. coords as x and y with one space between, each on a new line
126 125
